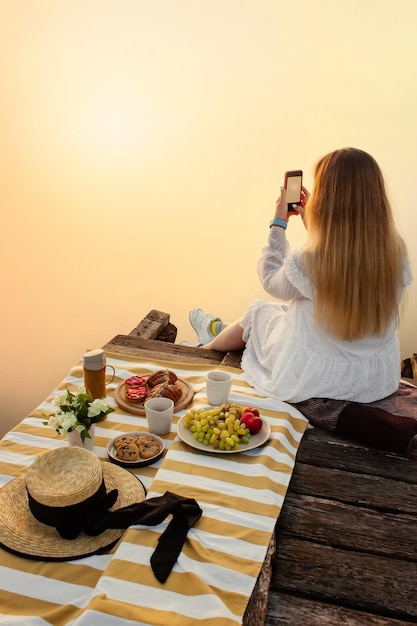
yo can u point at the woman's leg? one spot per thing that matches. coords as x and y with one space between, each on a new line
229 338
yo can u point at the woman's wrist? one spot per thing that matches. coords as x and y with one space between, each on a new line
278 221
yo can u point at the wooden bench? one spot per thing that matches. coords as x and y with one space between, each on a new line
345 550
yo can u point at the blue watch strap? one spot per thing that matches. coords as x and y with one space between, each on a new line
277 221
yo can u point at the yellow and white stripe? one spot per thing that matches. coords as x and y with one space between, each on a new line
241 496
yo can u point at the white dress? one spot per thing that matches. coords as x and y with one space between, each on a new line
288 358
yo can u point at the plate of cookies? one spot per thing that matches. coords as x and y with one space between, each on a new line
136 449
133 392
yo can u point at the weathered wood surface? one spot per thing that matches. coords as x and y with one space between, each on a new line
303 612
346 538
156 325
345 552
155 349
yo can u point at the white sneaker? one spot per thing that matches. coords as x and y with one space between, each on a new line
201 322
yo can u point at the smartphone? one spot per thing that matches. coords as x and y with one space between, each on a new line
293 183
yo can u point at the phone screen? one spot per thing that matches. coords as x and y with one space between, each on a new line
293 186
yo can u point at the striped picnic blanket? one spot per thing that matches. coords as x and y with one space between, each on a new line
240 494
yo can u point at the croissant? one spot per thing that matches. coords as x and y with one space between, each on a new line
165 390
162 376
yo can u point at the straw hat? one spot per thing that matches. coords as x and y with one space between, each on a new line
66 483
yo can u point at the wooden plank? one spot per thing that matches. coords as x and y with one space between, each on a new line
156 325
151 325
385 586
319 447
161 350
349 527
151 349
290 610
383 494
232 359
169 333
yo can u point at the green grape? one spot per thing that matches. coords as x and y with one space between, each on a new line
219 427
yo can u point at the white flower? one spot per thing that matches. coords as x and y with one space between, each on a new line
69 420
97 406
55 421
62 422
61 399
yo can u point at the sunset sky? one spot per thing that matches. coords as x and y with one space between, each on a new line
143 144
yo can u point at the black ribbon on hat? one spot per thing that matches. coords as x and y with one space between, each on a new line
70 520
94 517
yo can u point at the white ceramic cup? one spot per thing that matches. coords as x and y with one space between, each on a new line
159 412
218 385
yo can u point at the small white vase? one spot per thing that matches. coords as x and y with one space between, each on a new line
74 438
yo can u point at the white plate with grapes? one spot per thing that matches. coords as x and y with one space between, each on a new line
223 430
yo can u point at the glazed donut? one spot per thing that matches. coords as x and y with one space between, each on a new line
135 381
136 394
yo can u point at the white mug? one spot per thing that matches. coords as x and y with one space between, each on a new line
159 412
218 386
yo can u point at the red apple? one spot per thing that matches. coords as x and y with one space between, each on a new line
247 418
251 421
250 409
255 426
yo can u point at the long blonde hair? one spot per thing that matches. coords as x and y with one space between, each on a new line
354 251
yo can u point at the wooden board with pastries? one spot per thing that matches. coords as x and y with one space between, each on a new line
138 408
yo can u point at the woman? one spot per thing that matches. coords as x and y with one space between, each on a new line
336 336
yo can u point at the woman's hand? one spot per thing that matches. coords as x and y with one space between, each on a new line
281 209
299 209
